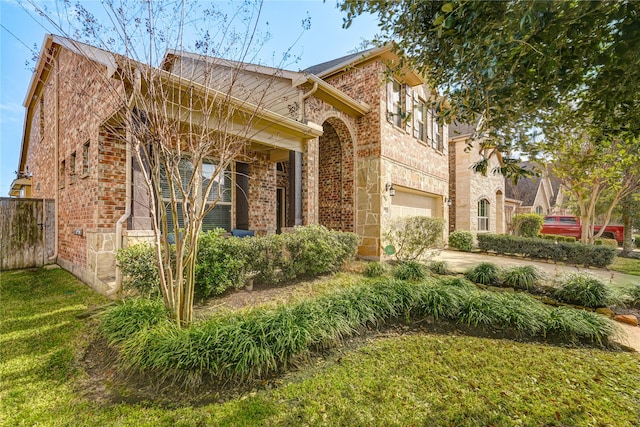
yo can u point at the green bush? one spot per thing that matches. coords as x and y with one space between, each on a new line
606 242
527 225
375 269
630 295
572 253
461 240
409 270
139 267
585 290
521 277
438 267
457 282
413 236
256 343
485 273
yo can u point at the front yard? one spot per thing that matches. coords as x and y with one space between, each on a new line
393 377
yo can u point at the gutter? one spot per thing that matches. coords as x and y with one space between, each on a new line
127 208
303 98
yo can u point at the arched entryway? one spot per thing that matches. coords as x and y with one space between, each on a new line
335 177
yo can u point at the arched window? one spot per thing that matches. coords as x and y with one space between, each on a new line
539 210
483 215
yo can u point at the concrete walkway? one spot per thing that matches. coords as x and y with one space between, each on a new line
459 262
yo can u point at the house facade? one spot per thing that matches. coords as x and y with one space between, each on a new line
477 200
339 144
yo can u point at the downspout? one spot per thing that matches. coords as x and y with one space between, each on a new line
57 156
127 208
304 97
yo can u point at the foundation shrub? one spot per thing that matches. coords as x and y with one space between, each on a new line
485 273
585 290
139 268
461 240
527 225
413 236
572 253
630 295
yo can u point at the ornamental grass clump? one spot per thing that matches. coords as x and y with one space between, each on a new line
375 269
585 290
409 270
485 273
438 267
521 277
255 343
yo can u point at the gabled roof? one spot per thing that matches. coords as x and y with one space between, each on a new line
342 64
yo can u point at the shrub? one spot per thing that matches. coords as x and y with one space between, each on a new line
140 269
572 253
485 273
457 282
585 290
413 236
606 242
630 295
527 225
521 277
375 269
461 240
438 267
222 263
409 270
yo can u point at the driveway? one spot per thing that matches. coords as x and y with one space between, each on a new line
459 262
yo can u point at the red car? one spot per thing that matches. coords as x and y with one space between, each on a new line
564 225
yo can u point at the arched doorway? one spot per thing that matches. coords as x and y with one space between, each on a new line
335 177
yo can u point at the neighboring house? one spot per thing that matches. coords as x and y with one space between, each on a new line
335 142
541 194
477 201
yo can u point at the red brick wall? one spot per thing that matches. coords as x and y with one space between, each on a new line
262 195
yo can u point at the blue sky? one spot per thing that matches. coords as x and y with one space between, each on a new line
22 30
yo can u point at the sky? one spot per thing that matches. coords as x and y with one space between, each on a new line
22 32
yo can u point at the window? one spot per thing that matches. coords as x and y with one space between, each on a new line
550 220
567 220
539 210
435 136
85 158
483 215
62 173
220 215
419 122
395 103
72 164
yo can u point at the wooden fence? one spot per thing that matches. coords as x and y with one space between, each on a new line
27 234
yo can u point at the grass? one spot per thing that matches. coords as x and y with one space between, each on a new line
399 380
626 266
485 273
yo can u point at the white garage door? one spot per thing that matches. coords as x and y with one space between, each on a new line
406 203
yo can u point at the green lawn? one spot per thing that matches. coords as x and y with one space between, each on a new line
418 379
626 265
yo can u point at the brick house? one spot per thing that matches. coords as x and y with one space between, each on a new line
478 202
340 144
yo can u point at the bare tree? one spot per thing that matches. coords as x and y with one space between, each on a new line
181 99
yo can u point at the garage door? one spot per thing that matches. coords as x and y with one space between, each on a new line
406 203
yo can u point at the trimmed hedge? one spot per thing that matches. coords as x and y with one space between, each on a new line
255 343
461 240
527 225
224 263
572 253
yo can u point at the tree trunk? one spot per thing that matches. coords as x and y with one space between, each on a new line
627 220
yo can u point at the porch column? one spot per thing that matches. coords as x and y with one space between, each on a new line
295 189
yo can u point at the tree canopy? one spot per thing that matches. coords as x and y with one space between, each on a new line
508 66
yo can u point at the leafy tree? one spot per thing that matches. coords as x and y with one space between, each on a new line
173 121
507 65
596 169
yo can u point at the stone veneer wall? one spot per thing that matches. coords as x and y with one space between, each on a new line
470 187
